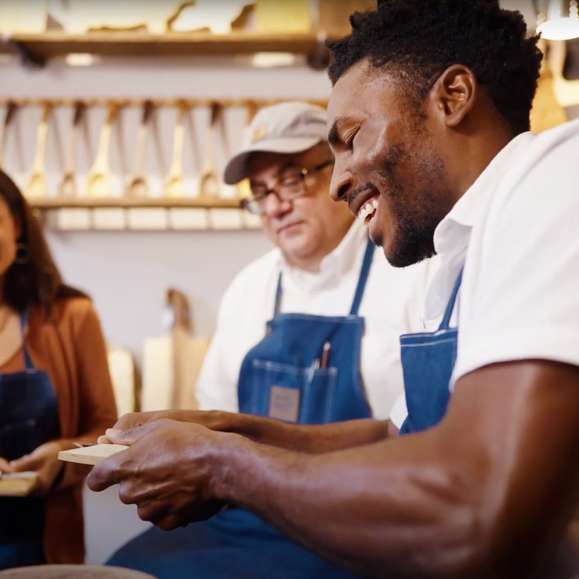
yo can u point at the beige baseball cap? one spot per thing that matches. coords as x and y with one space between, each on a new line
291 127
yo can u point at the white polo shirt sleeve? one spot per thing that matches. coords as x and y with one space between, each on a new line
215 388
520 292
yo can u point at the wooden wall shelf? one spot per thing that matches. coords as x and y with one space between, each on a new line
112 214
47 45
124 203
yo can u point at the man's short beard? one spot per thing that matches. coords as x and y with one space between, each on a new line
416 212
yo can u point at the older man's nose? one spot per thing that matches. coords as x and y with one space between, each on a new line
275 206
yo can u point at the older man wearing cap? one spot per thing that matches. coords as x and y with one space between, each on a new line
306 334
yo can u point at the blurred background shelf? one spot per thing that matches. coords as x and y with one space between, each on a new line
47 45
46 204
144 214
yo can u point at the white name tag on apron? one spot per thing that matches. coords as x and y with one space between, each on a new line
284 403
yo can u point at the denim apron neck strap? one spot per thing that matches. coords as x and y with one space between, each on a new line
445 324
29 365
278 295
363 278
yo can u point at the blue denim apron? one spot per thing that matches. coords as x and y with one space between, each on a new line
28 418
428 360
286 376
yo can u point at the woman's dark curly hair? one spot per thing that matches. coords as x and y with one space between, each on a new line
34 280
418 39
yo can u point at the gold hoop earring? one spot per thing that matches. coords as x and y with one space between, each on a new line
22 254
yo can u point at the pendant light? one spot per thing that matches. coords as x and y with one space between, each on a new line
560 27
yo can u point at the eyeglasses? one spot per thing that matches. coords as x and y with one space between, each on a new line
290 186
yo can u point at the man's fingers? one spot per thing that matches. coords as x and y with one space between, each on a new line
107 473
132 435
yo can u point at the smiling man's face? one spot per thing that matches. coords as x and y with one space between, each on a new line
389 169
308 228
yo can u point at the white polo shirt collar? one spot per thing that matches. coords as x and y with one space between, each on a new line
452 235
333 266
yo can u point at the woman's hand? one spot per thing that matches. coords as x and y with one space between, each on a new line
44 461
5 466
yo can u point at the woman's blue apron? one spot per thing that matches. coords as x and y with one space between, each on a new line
428 360
28 418
306 370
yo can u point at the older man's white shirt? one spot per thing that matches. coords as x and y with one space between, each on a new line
516 230
392 305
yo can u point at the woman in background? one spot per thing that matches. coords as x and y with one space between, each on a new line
55 390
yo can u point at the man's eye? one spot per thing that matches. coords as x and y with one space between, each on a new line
258 193
290 180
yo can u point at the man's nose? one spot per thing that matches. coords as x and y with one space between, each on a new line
275 206
341 184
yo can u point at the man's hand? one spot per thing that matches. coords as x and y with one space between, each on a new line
44 461
214 420
168 471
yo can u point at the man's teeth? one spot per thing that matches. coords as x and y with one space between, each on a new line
368 209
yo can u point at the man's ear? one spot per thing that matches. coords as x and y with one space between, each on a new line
454 94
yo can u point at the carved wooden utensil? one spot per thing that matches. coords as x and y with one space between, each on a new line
209 181
38 183
175 185
137 184
67 186
99 177
9 114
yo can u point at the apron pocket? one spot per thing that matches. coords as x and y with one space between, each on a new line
293 393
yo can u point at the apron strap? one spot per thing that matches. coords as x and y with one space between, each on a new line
364 274
360 289
278 295
445 324
27 359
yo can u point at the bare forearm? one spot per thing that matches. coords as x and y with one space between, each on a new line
313 439
488 493
385 511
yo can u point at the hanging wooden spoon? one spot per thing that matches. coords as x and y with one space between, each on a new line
68 184
99 176
137 184
11 108
209 181
38 183
175 185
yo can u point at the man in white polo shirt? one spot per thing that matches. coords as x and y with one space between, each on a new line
429 119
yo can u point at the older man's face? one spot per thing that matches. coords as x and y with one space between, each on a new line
311 226
388 169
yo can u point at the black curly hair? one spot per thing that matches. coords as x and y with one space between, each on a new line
418 39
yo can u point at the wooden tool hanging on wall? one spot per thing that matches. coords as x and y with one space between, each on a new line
172 363
99 176
38 183
175 185
137 184
68 186
9 114
209 181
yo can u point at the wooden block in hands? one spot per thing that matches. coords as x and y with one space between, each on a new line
17 484
90 455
